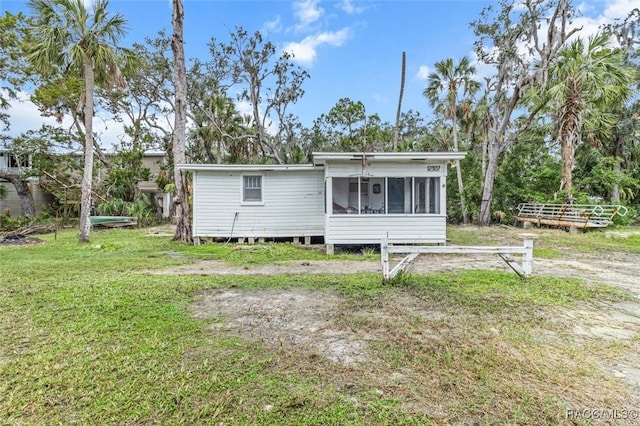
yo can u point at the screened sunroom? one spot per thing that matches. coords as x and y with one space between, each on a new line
396 196
386 195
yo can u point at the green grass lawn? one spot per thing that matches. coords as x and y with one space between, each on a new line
88 337
549 239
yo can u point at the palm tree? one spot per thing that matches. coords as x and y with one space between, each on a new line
445 86
68 36
586 83
217 120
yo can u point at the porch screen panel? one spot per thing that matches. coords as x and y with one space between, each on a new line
374 202
395 195
420 191
433 195
345 195
426 195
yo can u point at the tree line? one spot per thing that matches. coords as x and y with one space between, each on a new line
556 118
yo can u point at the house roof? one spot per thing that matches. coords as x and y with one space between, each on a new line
321 158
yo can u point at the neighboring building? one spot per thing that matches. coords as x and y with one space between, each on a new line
344 198
10 203
154 161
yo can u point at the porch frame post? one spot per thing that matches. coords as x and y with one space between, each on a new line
384 257
527 256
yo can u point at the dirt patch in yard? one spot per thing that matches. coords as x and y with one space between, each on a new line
616 269
14 240
293 319
596 347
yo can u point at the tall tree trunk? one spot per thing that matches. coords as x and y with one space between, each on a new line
618 153
615 190
403 73
87 176
494 151
181 199
483 166
567 154
485 143
27 205
569 138
463 206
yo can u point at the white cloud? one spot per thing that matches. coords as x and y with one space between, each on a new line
348 7
619 8
110 132
305 51
244 108
589 26
595 17
381 99
306 12
423 73
24 116
272 26
592 19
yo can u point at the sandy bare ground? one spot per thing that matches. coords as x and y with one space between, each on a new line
622 270
305 321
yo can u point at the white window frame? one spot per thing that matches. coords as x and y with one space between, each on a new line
243 199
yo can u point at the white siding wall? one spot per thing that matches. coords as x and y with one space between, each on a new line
372 229
293 204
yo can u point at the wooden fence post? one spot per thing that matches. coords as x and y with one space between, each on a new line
527 256
384 257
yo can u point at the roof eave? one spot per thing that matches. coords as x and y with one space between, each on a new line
246 167
320 158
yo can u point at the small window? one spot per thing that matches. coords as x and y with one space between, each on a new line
15 161
252 189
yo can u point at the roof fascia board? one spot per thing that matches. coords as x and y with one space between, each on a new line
323 157
247 167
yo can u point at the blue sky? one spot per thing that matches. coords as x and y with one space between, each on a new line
350 48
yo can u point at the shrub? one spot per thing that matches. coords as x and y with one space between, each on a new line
628 219
142 208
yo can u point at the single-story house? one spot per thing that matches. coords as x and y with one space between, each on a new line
344 198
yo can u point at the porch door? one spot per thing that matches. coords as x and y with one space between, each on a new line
395 194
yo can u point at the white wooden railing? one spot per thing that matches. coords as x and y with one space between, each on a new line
524 269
